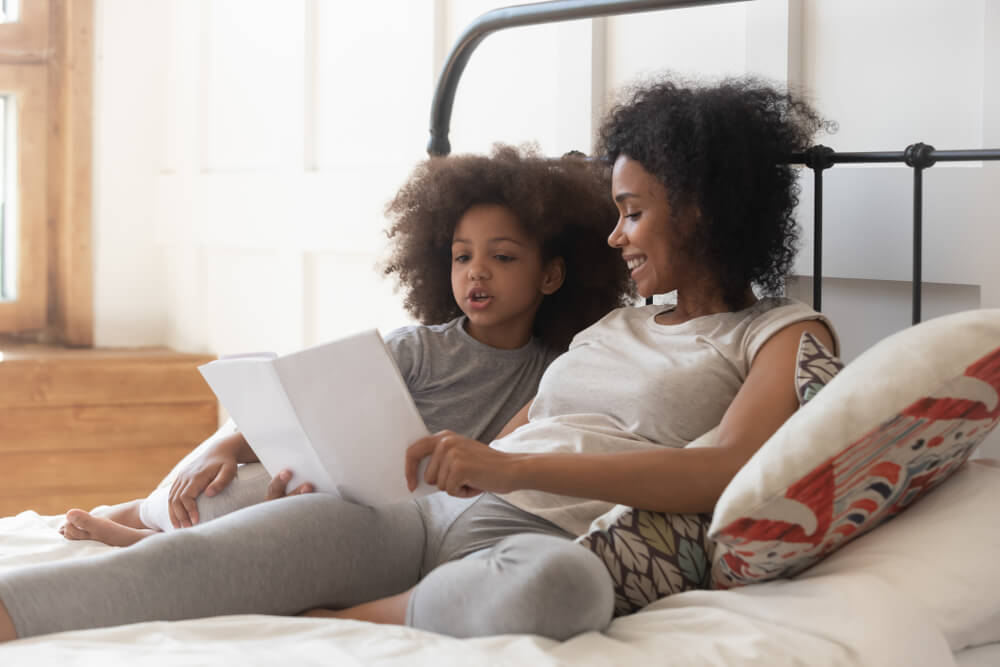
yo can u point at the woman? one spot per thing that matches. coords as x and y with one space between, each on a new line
705 203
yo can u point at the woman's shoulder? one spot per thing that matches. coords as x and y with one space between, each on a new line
772 314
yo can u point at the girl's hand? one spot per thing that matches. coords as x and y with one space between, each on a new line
461 466
209 473
278 488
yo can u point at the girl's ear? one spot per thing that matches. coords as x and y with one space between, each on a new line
553 275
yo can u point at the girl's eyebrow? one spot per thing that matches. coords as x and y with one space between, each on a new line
493 240
622 196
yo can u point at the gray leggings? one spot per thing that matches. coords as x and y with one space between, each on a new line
480 567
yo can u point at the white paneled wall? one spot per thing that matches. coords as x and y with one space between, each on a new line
893 73
699 41
244 150
532 84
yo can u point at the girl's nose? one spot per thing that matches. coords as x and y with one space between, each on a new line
477 271
617 237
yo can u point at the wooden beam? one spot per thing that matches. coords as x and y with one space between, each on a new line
71 296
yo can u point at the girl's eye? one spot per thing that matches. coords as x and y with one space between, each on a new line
504 258
632 216
461 259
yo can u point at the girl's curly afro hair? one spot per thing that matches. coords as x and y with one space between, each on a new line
565 203
722 148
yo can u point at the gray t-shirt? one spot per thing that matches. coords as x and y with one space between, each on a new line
461 384
629 383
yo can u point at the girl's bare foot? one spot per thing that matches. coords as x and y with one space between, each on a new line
82 525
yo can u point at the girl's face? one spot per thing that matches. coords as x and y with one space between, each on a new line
498 276
647 229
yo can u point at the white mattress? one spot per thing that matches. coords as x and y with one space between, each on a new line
834 620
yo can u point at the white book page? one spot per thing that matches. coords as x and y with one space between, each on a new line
249 389
358 414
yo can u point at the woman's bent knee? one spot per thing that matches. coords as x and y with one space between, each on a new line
533 584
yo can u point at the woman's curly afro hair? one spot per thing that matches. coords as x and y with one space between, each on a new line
565 203
723 149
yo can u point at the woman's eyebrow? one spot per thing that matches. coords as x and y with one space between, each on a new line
622 196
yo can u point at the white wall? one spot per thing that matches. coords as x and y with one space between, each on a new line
243 155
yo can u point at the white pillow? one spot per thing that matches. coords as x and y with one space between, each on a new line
943 553
895 423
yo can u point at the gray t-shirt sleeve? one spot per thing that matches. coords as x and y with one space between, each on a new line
406 348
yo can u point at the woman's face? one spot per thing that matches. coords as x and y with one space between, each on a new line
647 229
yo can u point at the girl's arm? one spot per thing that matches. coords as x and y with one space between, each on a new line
667 479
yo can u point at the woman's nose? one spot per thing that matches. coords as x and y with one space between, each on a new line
617 237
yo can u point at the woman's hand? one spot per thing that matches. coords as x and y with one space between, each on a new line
278 488
461 466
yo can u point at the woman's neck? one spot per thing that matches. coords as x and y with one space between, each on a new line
694 302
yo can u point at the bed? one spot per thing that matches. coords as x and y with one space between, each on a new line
922 589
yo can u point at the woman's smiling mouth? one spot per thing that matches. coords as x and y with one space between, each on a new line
635 262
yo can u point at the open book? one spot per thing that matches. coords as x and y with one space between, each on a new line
338 415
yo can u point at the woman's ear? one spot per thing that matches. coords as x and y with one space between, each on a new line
553 275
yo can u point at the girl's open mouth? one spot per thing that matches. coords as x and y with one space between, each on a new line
479 300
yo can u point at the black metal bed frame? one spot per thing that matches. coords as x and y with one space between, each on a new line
917 156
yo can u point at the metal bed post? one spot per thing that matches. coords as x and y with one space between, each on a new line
818 158
919 156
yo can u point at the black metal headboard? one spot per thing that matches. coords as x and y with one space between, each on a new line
917 156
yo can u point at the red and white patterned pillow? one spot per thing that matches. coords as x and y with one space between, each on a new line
895 423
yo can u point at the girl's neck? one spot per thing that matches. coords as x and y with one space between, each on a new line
502 338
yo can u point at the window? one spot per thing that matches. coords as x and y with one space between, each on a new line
45 97
8 11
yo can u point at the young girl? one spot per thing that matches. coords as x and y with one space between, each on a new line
502 258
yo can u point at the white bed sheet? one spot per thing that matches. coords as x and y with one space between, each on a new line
841 620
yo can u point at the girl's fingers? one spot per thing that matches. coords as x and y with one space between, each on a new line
278 485
221 481
178 515
191 507
183 505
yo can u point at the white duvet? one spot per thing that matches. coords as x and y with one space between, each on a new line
842 619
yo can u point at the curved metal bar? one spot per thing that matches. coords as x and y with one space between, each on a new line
513 17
